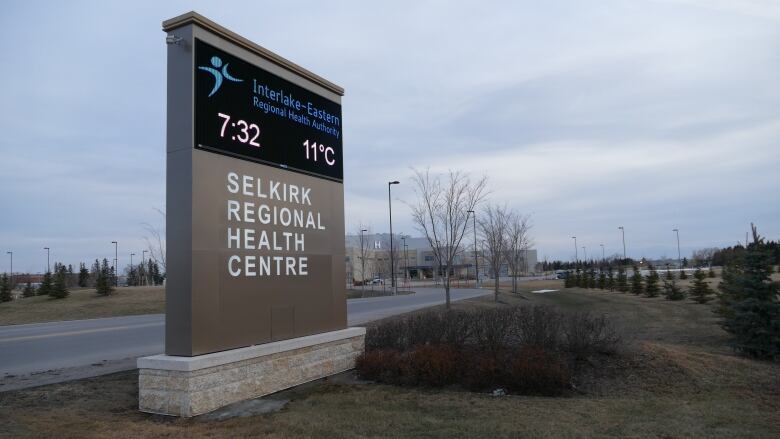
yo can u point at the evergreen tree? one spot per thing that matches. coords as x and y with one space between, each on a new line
568 281
685 262
46 285
158 275
610 279
749 301
592 278
83 275
578 278
651 284
711 273
622 279
5 289
69 278
636 281
700 290
669 275
59 289
28 290
683 276
103 283
672 291
602 284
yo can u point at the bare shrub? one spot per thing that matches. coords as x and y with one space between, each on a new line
527 349
537 326
430 365
491 328
585 335
534 371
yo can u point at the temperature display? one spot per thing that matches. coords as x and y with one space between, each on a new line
326 152
244 111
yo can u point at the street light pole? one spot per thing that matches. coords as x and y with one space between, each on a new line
392 262
624 243
603 258
584 254
576 251
116 262
679 260
48 264
476 258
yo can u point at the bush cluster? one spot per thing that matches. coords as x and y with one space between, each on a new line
525 349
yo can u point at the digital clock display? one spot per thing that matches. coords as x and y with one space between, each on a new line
246 112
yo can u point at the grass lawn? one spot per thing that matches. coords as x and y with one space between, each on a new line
678 380
84 304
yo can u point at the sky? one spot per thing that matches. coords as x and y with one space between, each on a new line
651 115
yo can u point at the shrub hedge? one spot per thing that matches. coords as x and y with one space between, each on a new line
524 349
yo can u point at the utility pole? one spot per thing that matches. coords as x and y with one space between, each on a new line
48 264
116 262
624 243
476 257
392 262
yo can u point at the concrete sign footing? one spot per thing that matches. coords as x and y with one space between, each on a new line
190 386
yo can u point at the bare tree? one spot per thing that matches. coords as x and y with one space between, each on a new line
704 255
518 242
493 225
441 213
155 243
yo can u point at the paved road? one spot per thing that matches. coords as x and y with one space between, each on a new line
49 352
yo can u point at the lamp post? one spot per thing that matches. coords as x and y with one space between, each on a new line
476 259
392 262
116 263
48 265
603 258
679 259
624 243
576 251
584 254
362 261
12 269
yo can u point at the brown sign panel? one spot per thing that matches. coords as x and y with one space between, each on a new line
255 251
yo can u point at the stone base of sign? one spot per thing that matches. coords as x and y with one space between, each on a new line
190 386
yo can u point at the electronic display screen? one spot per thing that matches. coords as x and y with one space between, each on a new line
249 113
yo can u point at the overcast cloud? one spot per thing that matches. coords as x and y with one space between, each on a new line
652 115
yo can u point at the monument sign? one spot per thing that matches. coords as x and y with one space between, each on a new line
255 223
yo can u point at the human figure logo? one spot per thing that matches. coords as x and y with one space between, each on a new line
219 71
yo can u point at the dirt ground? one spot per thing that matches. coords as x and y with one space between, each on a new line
678 380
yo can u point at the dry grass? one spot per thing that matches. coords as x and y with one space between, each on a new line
84 304
680 382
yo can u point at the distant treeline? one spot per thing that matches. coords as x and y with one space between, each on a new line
725 256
